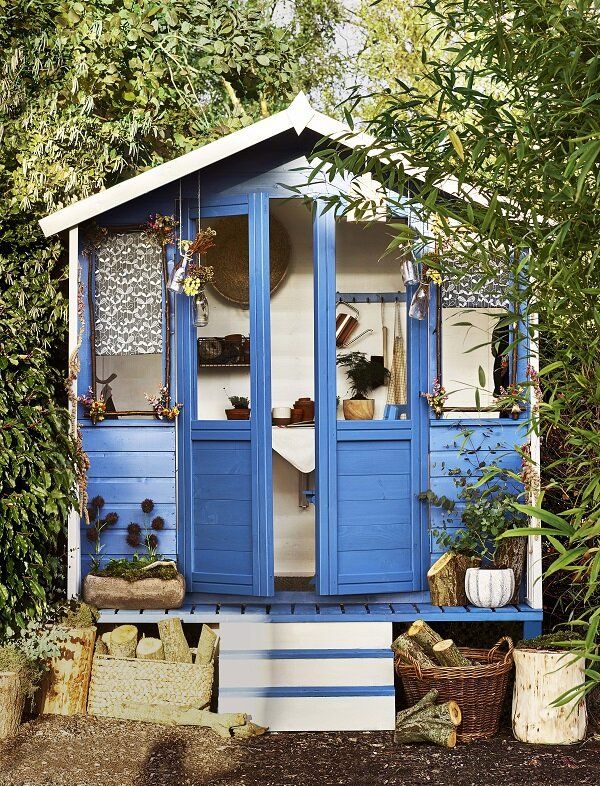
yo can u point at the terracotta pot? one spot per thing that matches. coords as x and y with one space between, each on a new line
237 414
106 592
489 588
296 415
359 409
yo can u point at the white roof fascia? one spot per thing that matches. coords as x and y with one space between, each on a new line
299 116
161 175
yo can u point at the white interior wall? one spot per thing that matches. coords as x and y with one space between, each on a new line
136 376
459 365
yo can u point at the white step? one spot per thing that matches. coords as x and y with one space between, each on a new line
294 676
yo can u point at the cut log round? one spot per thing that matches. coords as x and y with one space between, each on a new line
427 722
424 636
12 701
511 553
446 579
540 678
409 651
206 646
150 649
101 647
447 654
64 687
173 639
122 641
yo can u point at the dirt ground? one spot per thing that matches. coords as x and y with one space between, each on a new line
78 751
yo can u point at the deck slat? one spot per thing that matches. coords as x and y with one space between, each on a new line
355 608
379 608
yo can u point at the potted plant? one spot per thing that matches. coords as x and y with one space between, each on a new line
486 516
364 376
142 582
23 661
549 697
240 408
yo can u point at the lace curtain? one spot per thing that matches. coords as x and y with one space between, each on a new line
128 295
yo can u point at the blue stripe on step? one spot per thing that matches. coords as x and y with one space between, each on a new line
302 654
310 691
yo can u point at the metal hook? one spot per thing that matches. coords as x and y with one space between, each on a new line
349 305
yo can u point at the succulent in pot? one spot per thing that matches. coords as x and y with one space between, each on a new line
364 375
240 408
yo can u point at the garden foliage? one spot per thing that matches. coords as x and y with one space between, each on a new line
512 107
92 92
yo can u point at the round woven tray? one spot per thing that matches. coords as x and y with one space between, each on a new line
479 690
230 257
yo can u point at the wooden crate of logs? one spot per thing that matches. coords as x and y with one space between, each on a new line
160 680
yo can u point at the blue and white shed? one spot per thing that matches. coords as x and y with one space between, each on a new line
310 525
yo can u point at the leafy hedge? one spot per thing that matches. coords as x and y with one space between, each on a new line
91 92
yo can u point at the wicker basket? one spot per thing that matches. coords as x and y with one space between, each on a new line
479 690
117 681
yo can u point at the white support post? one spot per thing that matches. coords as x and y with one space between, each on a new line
533 595
73 532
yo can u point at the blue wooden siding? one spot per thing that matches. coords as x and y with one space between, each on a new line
131 461
458 451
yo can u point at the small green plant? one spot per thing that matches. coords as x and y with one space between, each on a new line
363 374
28 654
138 568
73 613
239 402
484 518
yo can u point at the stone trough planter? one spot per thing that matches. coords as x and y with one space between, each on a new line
108 592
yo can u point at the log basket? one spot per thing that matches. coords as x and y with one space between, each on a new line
479 690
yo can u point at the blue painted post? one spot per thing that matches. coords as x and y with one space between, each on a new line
186 388
325 394
260 394
532 628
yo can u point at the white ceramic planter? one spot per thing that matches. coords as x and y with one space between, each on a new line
489 588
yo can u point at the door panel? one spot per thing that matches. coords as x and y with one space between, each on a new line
228 474
369 473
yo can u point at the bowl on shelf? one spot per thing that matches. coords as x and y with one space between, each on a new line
282 416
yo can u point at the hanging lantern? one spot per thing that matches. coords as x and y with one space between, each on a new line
201 309
419 305
409 272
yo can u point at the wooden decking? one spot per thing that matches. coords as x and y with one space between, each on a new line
326 612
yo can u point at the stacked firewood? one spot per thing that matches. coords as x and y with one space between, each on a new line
122 642
421 646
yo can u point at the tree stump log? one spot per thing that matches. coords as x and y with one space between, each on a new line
511 553
174 642
225 724
447 654
149 648
446 579
409 651
12 701
122 641
540 678
427 721
64 687
424 636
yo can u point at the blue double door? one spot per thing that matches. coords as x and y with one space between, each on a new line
370 536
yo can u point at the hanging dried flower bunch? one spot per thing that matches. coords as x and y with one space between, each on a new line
161 404
95 407
161 228
437 398
197 274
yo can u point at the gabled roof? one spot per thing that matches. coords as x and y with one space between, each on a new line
299 116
